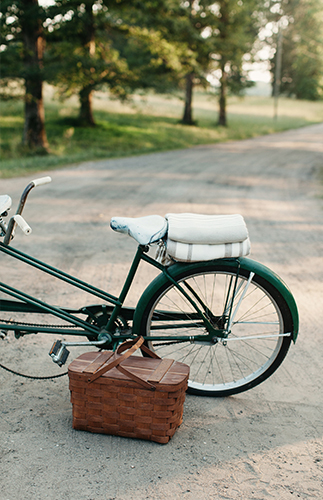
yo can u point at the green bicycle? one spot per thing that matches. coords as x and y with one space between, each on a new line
229 318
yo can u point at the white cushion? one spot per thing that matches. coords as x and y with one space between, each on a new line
196 237
206 229
186 252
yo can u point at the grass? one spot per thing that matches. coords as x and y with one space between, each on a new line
146 125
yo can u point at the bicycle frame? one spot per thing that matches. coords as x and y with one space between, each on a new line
103 333
187 303
25 303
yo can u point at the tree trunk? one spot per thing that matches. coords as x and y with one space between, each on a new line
86 114
34 135
86 117
187 116
223 98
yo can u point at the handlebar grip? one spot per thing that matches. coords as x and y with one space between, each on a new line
41 181
22 224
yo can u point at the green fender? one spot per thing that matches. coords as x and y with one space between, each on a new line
244 263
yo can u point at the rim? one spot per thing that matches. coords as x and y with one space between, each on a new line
232 363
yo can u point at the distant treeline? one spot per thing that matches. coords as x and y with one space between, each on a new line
165 45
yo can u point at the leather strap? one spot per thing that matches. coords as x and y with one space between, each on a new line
150 353
134 377
131 346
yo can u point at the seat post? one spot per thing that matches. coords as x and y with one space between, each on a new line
127 284
133 269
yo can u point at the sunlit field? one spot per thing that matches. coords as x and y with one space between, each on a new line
145 124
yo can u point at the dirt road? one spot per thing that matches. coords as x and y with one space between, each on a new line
265 443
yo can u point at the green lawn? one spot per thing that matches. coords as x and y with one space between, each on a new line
146 125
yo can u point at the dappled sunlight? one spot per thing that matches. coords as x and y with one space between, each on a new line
277 472
266 442
156 104
311 145
286 107
149 126
313 142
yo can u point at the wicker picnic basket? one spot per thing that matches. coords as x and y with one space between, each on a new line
127 395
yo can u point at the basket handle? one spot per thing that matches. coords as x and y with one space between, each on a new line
130 346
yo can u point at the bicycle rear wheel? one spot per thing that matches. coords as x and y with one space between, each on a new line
260 328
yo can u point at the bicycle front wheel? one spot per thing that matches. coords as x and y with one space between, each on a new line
252 310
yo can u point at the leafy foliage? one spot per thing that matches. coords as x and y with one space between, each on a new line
166 45
22 45
302 48
236 30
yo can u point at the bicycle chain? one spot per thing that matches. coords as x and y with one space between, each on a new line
22 323
31 376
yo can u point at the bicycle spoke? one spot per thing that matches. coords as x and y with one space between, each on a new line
254 340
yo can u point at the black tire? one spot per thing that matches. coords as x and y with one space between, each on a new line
231 366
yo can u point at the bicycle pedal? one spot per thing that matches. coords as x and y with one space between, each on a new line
59 353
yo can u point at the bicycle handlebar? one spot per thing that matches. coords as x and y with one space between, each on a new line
41 181
31 185
22 224
16 219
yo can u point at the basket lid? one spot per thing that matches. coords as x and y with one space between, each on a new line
167 374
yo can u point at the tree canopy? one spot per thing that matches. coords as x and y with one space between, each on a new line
300 24
120 45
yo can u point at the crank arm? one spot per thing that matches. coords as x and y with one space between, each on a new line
59 353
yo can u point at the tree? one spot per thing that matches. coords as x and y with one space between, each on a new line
301 28
233 36
108 43
214 32
198 19
167 41
81 56
22 42
153 60
217 33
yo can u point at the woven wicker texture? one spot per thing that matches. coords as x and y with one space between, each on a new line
116 404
